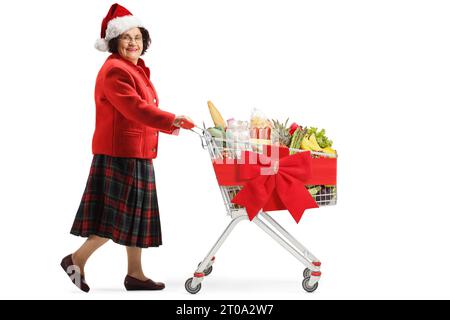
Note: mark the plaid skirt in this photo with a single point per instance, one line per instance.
(120, 202)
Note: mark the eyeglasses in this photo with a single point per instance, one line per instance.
(128, 39)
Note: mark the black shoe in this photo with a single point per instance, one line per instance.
(73, 272)
(136, 284)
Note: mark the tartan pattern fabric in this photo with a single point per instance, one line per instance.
(120, 202)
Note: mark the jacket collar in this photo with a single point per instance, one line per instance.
(140, 63)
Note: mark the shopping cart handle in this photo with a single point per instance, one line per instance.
(197, 130)
(201, 132)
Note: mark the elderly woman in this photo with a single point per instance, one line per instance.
(120, 201)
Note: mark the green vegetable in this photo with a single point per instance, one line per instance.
(297, 139)
(313, 190)
(294, 138)
(218, 133)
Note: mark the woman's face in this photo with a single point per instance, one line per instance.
(131, 45)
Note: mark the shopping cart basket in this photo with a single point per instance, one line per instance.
(227, 154)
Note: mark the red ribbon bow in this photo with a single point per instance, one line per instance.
(286, 177)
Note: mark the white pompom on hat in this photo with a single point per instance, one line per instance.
(117, 21)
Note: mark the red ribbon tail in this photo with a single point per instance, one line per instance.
(253, 197)
(293, 203)
(250, 207)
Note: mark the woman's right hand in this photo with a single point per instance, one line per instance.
(183, 122)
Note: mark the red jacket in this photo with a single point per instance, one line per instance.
(127, 115)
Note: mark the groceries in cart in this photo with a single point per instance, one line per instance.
(260, 133)
(260, 128)
(263, 165)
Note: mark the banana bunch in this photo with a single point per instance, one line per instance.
(329, 150)
(310, 143)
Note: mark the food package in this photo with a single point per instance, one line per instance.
(260, 127)
(238, 135)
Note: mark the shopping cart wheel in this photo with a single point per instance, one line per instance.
(306, 273)
(307, 287)
(189, 289)
(207, 271)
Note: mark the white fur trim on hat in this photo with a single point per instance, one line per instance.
(101, 45)
(115, 28)
(119, 25)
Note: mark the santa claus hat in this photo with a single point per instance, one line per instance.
(117, 21)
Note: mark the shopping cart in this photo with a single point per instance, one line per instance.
(219, 149)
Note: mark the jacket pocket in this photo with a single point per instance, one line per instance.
(129, 143)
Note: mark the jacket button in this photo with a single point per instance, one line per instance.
(154, 100)
(154, 150)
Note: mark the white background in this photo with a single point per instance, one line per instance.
(375, 74)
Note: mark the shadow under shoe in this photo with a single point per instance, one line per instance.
(136, 284)
(73, 271)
